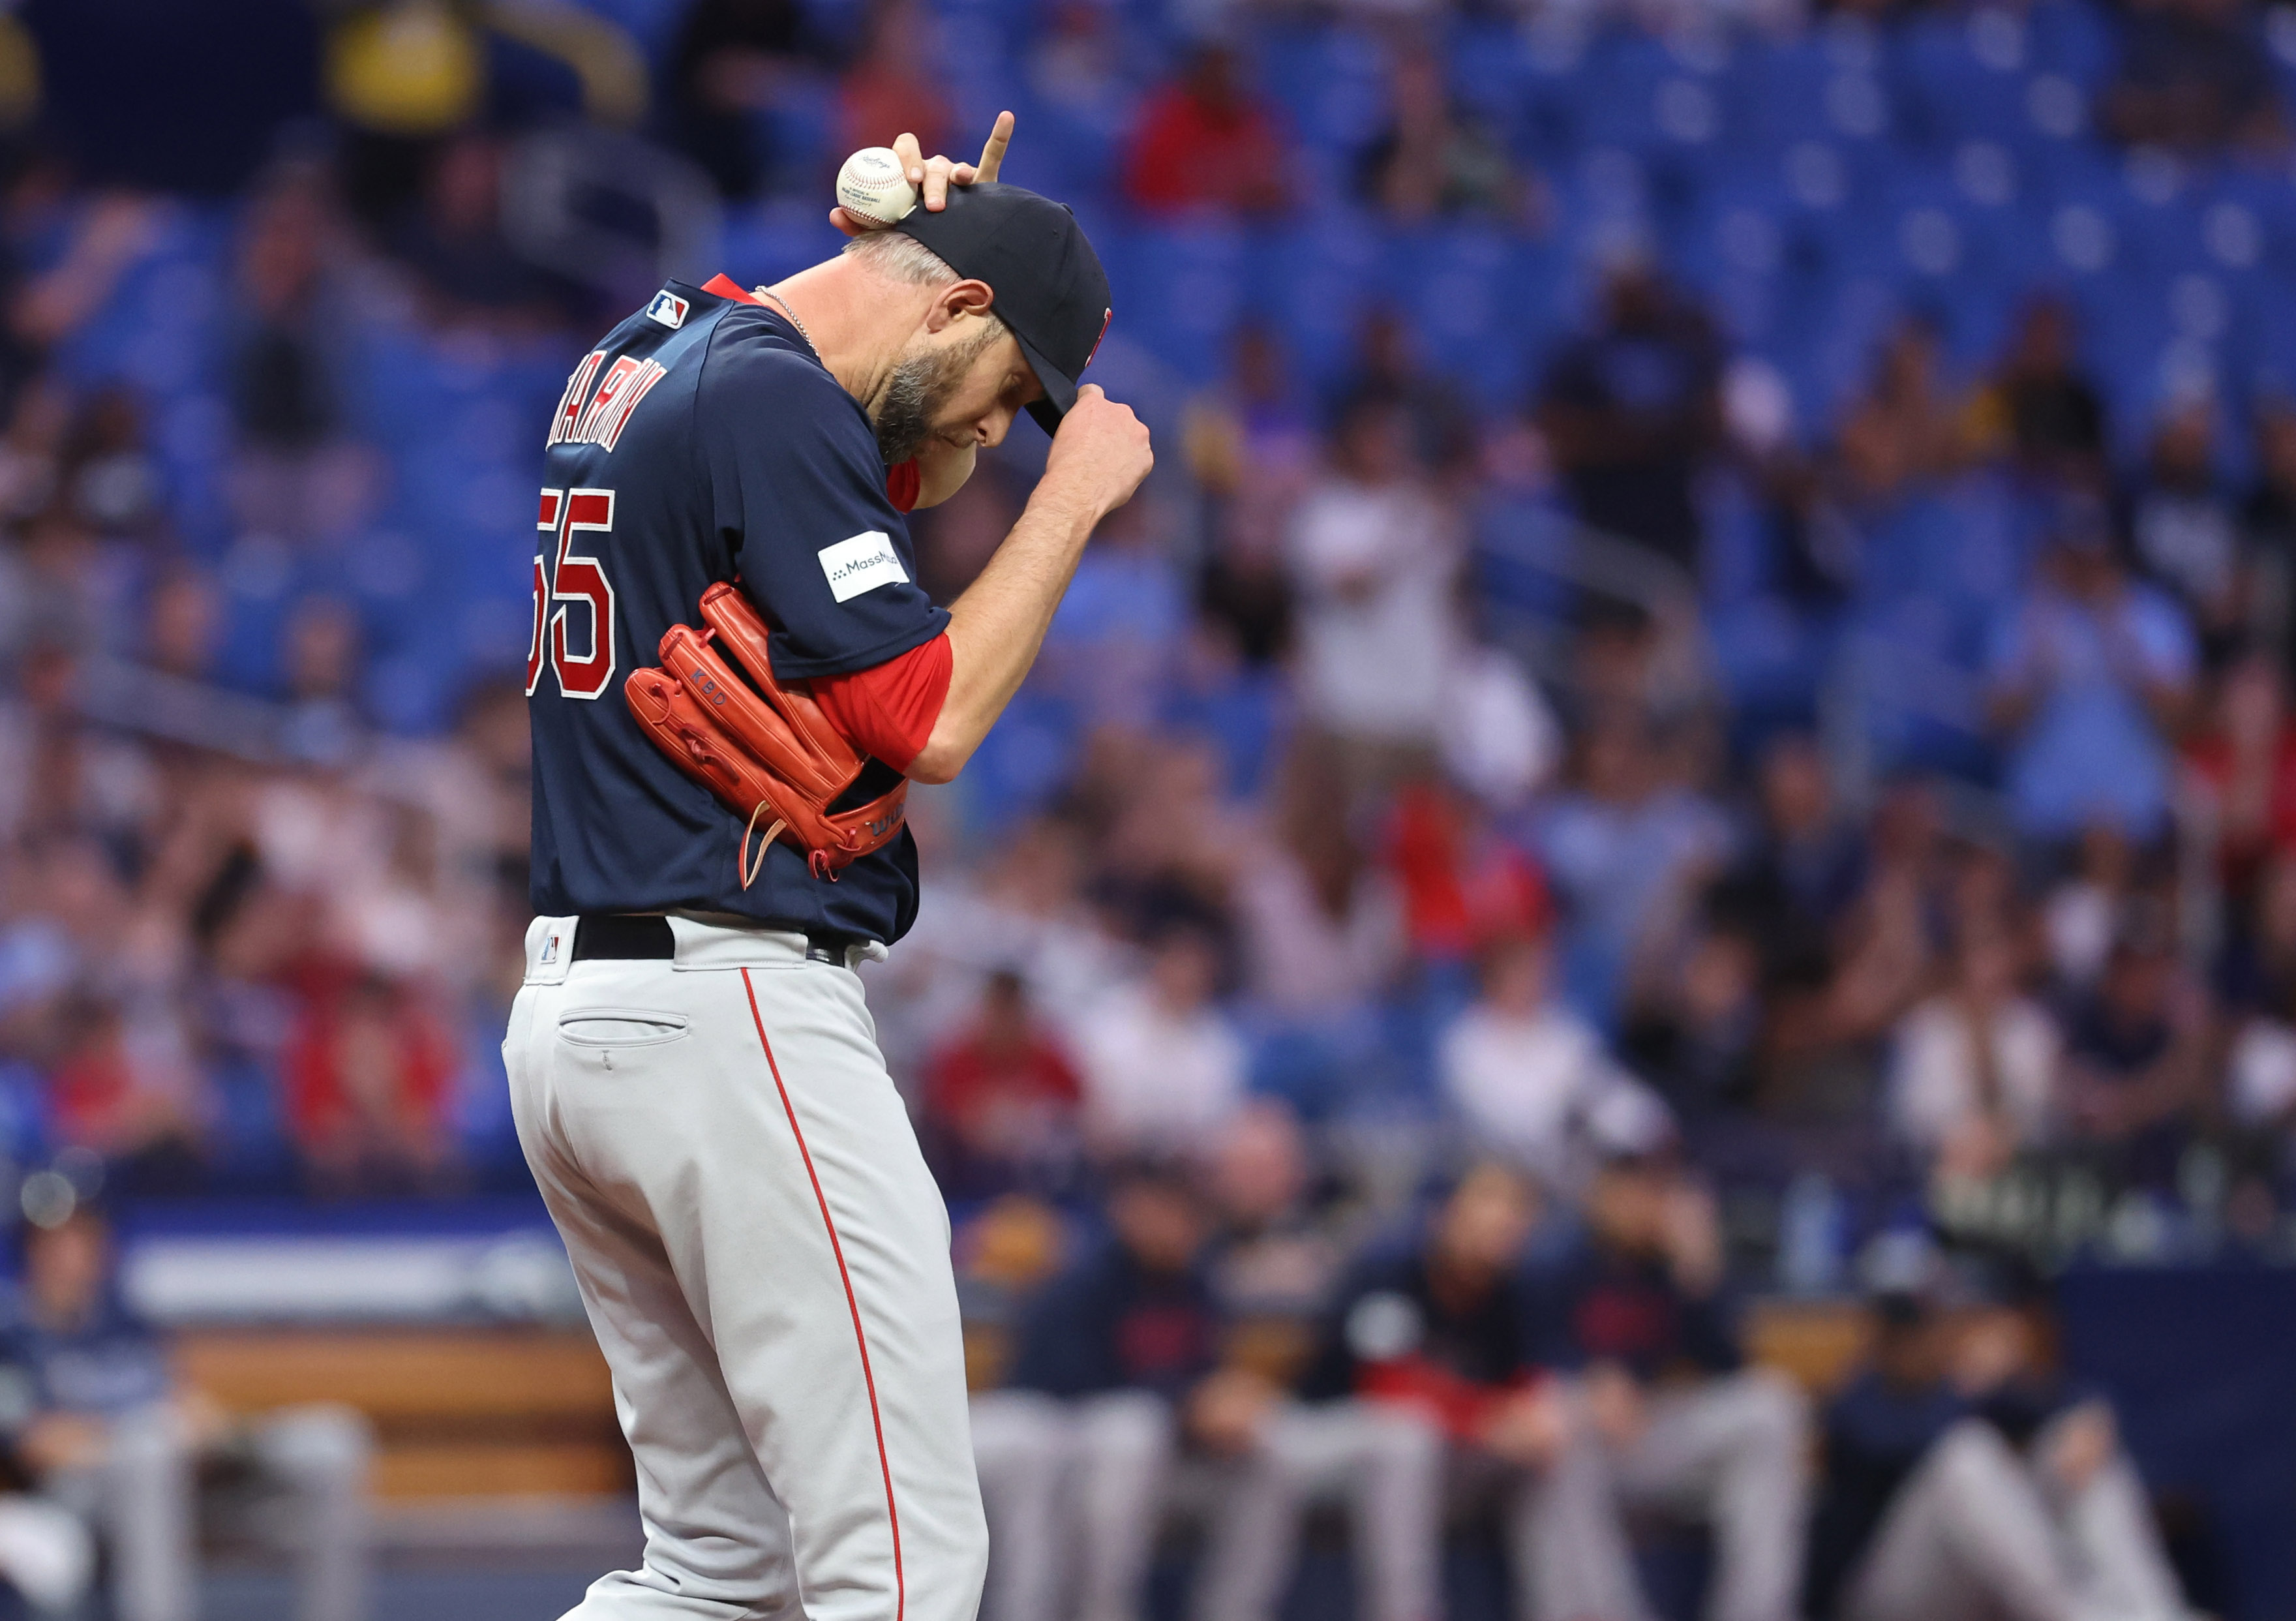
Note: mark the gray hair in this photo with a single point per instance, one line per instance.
(902, 258)
(898, 257)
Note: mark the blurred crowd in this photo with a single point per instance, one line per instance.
(1565, 798)
(1867, 807)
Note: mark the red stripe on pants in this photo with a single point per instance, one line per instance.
(853, 1303)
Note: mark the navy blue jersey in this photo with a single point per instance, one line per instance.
(703, 441)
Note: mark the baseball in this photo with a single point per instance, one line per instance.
(871, 186)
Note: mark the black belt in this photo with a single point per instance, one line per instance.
(623, 937)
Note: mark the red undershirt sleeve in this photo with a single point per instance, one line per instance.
(888, 710)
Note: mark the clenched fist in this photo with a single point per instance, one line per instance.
(1101, 453)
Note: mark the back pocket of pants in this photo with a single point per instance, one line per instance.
(619, 1026)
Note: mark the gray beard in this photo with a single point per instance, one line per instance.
(921, 385)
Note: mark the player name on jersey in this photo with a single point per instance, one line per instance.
(585, 418)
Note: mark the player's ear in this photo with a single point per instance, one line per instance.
(966, 298)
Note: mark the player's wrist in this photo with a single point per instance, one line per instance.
(1071, 502)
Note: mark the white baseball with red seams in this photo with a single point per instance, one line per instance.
(873, 187)
(764, 1257)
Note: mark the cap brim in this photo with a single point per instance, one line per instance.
(1060, 391)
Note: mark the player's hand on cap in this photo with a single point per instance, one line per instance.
(933, 176)
(1102, 452)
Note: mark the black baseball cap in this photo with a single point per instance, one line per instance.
(1050, 289)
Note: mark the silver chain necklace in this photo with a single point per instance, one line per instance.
(768, 293)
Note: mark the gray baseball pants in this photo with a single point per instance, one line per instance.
(1732, 1452)
(765, 1259)
(1978, 1532)
(1077, 1490)
(309, 1498)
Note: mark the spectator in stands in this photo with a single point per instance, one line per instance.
(1273, 1268)
(731, 61)
(321, 667)
(1631, 412)
(2258, 969)
(2191, 74)
(1803, 865)
(1498, 737)
(1116, 1381)
(1964, 1475)
(294, 476)
(1976, 1069)
(1022, 908)
(2137, 1073)
(1322, 926)
(2088, 670)
(1830, 1019)
(1443, 435)
(1372, 557)
(1694, 1024)
(181, 623)
(453, 241)
(367, 1076)
(2260, 1096)
(2244, 764)
(107, 233)
(1529, 1076)
(1206, 140)
(892, 89)
(108, 1433)
(1624, 850)
(1116, 641)
(1435, 158)
(2081, 917)
(1252, 447)
(1464, 885)
(2041, 402)
(108, 476)
(67, 584)
(1904, 428)
(1166, 834)
(2269, 528)
(1078, 64)
(1001, 1101)
(2185, 523)
(1163, 1069)
(1636, 1313)
(76, 791)
(124, 1087)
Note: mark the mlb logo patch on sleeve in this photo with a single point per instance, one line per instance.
(667, 308)
(862, 563)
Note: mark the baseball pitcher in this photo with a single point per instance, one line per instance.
(732, 676)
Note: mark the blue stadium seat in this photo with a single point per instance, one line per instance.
(1826, 86)
(1484, 304)
(2071, 37)
(1186, 282)
(1331, 83)
(1962, 76)
(1315, 281)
